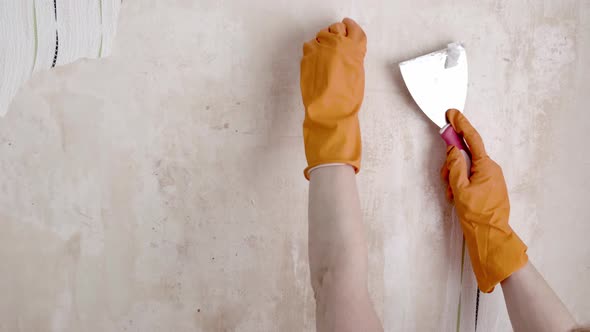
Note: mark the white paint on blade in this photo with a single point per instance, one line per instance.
(453, 54)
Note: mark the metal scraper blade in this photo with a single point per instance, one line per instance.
(438, 81)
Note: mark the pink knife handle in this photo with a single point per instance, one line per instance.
(450, 136)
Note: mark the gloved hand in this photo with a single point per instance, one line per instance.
(332, 87)
(483, 208)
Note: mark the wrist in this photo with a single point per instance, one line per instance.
(307, 172)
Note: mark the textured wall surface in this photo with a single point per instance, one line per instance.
(161, 189)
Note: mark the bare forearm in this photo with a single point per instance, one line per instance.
(338, 252)
(532, 304)
(336, 235)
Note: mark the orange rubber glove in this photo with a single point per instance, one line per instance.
(332, 87)
(481, 201)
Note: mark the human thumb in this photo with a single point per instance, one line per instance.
(457, 166)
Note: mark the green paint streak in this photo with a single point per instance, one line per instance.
(101, 30)
(36, 36)
(461, 285)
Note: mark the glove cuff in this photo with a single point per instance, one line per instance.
(339, 143)
(503, 257)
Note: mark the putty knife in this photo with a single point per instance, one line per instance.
(438, 81)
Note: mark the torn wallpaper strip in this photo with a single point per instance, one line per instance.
(40, 34)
